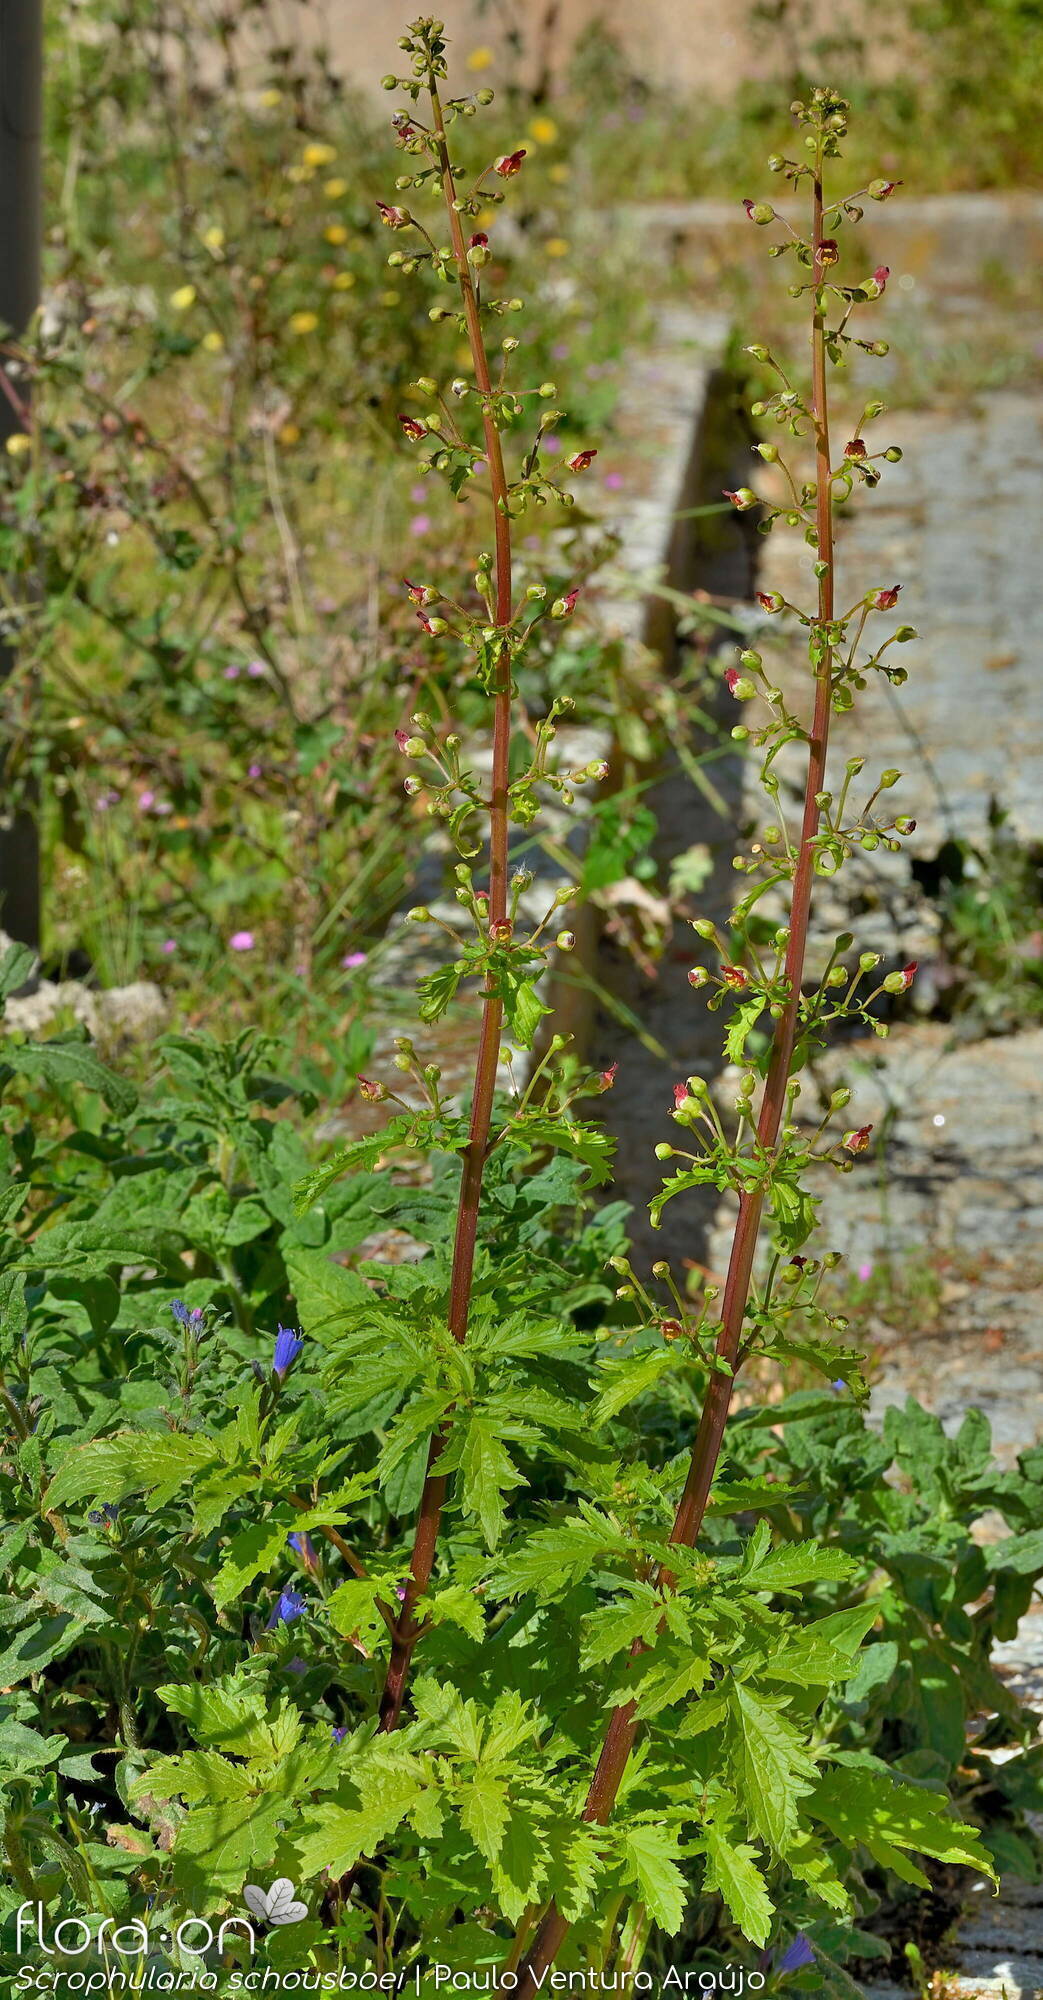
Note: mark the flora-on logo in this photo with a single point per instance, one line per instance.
(277, 1905)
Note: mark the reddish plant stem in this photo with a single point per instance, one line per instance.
(622, 1728)
(406, 1628)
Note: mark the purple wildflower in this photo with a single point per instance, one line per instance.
(303, 1546)
(241, 941)
(352, 960)
(168, 945)
(105, 1515)
(339, 1734)
(289, 1605)
(180, 1312)
(797, 1955)
(287, 1347)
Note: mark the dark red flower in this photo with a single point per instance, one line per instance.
(580, 461)
(858, 1140)
(855, 449)
(509, 163)
(885, 600)
(412, 426)
(392, 216)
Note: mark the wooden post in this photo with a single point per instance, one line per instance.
(21, 116)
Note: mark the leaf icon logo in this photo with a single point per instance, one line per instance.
(277, 1905)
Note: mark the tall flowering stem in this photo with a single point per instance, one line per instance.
(834, 669)
(496, 638)
(433, 1497)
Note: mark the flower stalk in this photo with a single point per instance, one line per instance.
(623, 1724)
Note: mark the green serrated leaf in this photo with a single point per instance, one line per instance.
(731, 1869)
(650, 1858)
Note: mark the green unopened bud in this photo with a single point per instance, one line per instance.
(484, 96)
(839, 1098)
(905, 633)
(566, 940)
(875, 409)
(703, 927)
(758, 352)
(419, 914)
(663, 1152)
(889, 778)
(893, 454)
(749, 661)
(389, 82)
(868, 961)
(769, 452)
(837, 976)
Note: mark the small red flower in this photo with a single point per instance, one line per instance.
(478, 241)
(736, 976)
(401, 738)
(732, 677)
(501, 931)
(393, 217)
(581, 460)
(608, 1076)
(374, 1093)
(858, 1140)
(412, 426)
(855, 449)
(424, 622)
(671, 1329)
(828, 250)
(743, 498)
(509, 163)
(419, 593)
(770, 600)
(570, 601)
(680, 1095)
(908, 975)
(881, 274)
(885, 600)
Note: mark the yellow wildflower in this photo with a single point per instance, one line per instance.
(336, 233)
(214, 237)
(184, 297)
(560, 172)
(557, 246)
(213, 341)
(19, 443)
(270, 98)
(544, 131)
(344, 281)
(335, 188)
(479, 59)
(318, 154)
(304, 322)
(390, 298)
(289, 434)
